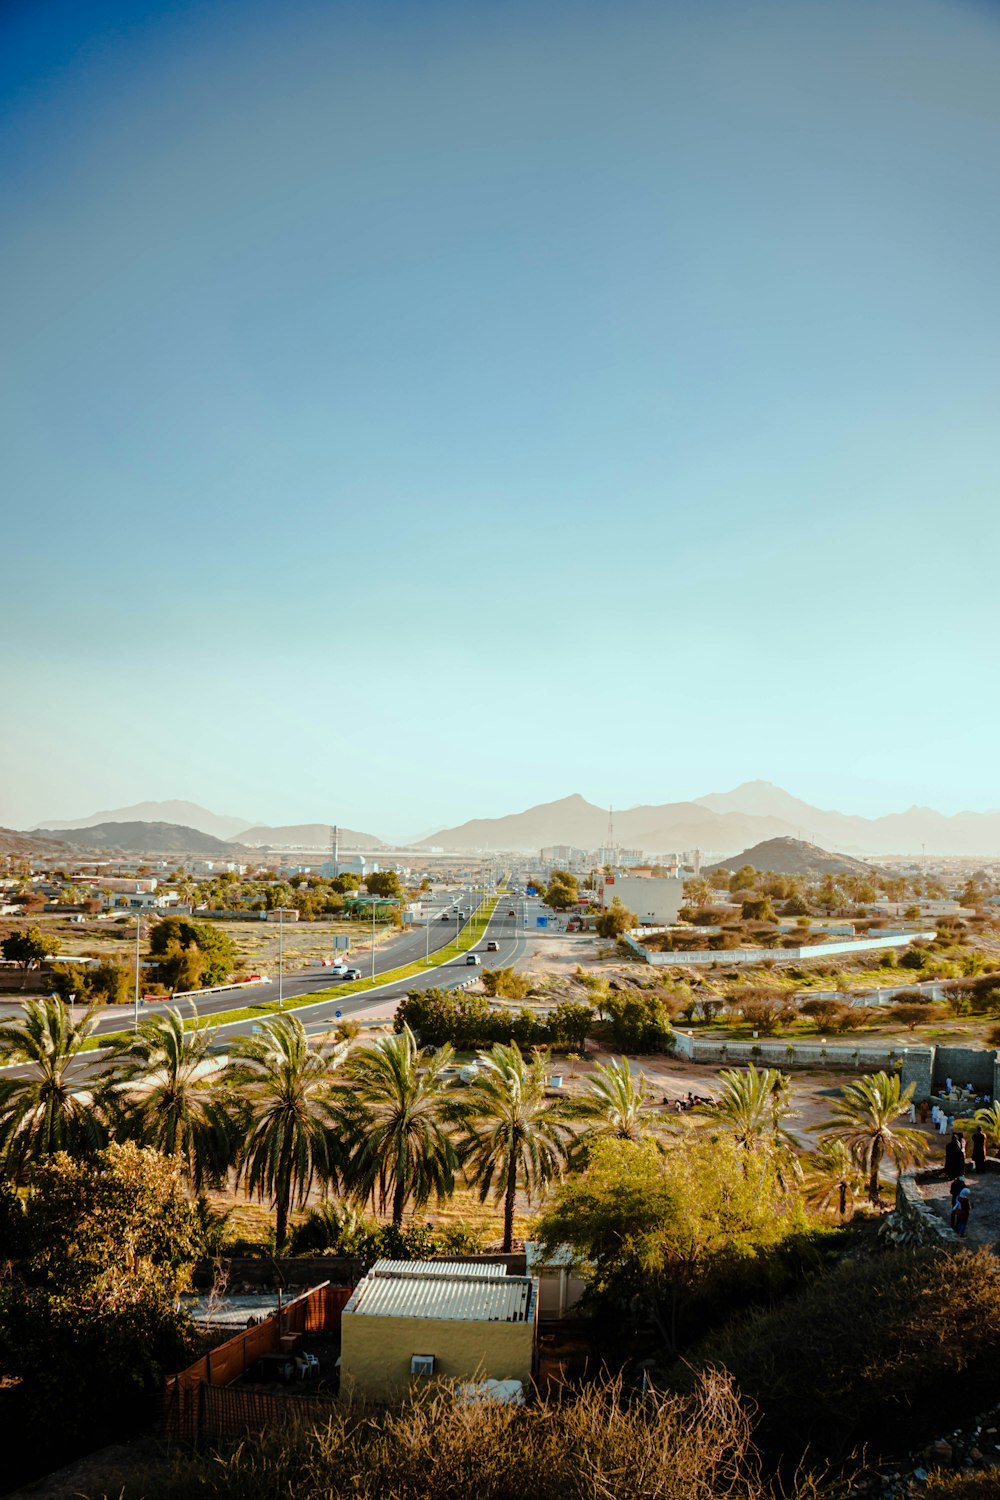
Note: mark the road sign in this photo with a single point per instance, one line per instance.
(541, 921)
(341, 940)
(532, 890)
(337, 1015)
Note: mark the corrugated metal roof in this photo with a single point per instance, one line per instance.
(471, 1299)
(437, 1268)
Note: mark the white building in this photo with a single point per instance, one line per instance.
(656, 900)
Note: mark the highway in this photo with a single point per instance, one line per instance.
(510, 933)
(406, 949)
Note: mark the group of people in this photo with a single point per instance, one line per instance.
(680, 1105)
(956, 1157)
(956, 1165)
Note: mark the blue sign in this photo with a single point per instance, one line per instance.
(337, 1015)
(532, 890)
(541, 921)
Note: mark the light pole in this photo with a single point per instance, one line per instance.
(281, 955)
(374, 899)
(138, 934)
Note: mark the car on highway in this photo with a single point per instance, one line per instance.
(492, 946)
(349, 974)
(512, 913)
(473, 958)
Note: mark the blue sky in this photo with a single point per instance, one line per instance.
(416, 411)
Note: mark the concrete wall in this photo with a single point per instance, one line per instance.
(375, 1352)
(773, 1052)
(731, 956)
(925, 1067)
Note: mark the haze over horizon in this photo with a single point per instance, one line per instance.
(414, 414)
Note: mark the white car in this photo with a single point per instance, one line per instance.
(474, 959)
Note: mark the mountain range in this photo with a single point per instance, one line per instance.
(185, 814)
(723, 822)
(718, 824)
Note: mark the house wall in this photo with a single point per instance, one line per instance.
(654, 899)
(375, 1352)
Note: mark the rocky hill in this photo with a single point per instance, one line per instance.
(140, 838)
(793, 857)
(15, 845)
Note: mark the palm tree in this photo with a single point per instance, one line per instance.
(864, 1120)
(512, 1136)
(284, 1115)
(989, 1119)
(613, 1104)
(42, 1112)
(163, 1079)
(753, 1104)
(833, 1177)
(394, 1113)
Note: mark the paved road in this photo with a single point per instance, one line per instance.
(509, 932)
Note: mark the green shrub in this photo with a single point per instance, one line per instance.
(884, 1351)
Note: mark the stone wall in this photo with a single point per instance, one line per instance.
(913, 1222)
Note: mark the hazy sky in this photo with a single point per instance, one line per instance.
(415, 411)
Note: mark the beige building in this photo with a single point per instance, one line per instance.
(656, 900)
(413, 1320)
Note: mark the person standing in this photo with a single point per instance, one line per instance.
(979, 1149)
(954, 1155)
(961, 1210)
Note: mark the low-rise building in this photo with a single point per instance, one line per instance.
(408, 1320)
(655, 900)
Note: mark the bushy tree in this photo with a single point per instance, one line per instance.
(385, 884)
(656, 1231)
(616, 920)
(25, 947)
(174, 936)
(90, 1319)
(639, 1022)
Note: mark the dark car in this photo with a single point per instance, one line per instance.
(350, 974)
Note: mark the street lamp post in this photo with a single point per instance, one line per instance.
(374, 900)
(281, 955)
(138, 933)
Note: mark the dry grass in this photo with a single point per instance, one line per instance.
(602, 1444)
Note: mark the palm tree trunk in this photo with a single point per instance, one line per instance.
(873, 1179)
(281, 1228)
(508, 1210)
(843, 1199)
(399, 1200)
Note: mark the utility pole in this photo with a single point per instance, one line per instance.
(374, 899)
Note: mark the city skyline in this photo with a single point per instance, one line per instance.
(414, 414)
